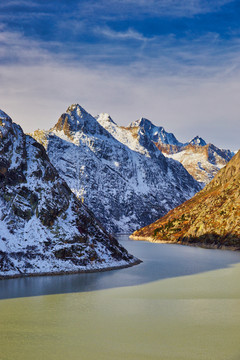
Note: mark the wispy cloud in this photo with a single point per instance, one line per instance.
(25, 3)
(204, 56)
(16, 48)
(121, 35)
(172, 8)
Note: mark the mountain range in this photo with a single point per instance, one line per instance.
(63, 191)
(44, 227)
(122, 177)
(200, 159)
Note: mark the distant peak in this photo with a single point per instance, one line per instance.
(198, 141)
(155, 133)
(105, 118)
(77, 119)
(77, 110)
(142, 122)
(74, 119)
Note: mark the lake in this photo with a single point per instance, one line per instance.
(181, 303)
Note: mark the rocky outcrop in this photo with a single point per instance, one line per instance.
(44, 228)
(211, 218)
(123, 187)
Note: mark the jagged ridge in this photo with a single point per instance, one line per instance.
(123, 187)
(200, 159)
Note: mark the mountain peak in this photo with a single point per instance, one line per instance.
(197, 140)
(77, 110)
(105, 118)
(142, 123)
(7, 127)
(157, 134)
(4, 119)
(77, 119)
(3, 115)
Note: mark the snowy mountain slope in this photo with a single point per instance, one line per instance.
(43, 226)
(126, 135)
(140, 135)
(200, 159)
(123, 188)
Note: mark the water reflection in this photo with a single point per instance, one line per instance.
(160, 261)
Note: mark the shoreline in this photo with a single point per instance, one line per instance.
(57, 273)
(197, 244)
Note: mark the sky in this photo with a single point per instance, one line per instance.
(174, 62)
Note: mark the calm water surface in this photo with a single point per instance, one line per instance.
(181, 303)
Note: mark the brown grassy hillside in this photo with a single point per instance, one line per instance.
(210, 218)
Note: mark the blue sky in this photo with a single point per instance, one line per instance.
(174, 62)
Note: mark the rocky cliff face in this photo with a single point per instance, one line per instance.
(123, 187)
(43, 226)
(201, 160)
(211, 217)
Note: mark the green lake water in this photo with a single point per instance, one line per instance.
(145, 312)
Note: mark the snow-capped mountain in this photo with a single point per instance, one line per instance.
(125, 186)
(141, 135)
(44, 228)
(201, 160)
(197, 141)
(156, 133)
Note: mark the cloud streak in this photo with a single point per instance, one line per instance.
(130, 34)
(172, 8)
(205, 56)
(15, 48)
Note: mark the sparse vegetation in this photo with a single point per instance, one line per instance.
(211, 217)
